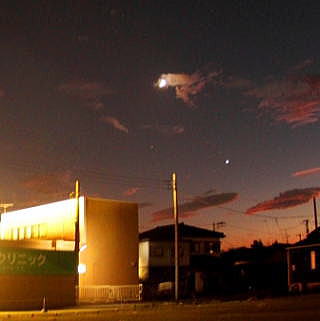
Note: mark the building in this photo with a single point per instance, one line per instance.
(303, 260)
(108, 258)
(156, 257)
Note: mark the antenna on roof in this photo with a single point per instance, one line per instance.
(5, 206)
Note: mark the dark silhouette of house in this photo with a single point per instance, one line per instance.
(304, 263)
(198, 249)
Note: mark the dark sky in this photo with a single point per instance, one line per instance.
(238, 120)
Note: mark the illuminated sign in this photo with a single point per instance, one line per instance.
(30, 261)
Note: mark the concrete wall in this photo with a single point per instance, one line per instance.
(111, 255)
(26, 292)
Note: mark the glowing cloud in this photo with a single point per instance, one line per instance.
(166, 129)
(310, 171)
(131, 191)
(89, 92)
(286, 200)
(186, 85)
(59, 182)
(115, 123)
(189, 209)
(294, 100)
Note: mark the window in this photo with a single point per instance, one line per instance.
(35, 231)
(28, 232)
(195, 247)
(43, 230)
(156, 251)
(15, 233)
(313, 260)
(21, 233)
(212, 248)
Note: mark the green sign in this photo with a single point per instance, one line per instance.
(31, 261)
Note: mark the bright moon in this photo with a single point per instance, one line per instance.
(162, 83)
(227, 161)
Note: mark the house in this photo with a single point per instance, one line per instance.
(108, 258)
(198, 247)
(258, 270)
(304, 263)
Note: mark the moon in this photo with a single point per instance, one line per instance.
(162, 83)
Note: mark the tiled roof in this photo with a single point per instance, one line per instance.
(166, 232)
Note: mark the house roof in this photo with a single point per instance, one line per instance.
(312, 238)
(166, 232)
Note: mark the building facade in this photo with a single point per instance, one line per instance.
(156, 257)
(108, 258)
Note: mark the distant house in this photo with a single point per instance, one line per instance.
(304, 263)
(257, 270)
(156, 256)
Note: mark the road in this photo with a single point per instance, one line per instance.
(298, 308)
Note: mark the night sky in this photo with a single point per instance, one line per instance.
(237, 119)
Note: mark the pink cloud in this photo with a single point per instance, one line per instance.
(58, 182)
(303, 64)
(166, 129)
(131, 191)
(236, 82)
(89, 92)
(305, 172)
(286, 200)
(115, 123)
(294, 100)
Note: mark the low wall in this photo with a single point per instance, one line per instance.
(109, 293)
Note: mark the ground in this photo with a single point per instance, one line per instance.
(295, 308)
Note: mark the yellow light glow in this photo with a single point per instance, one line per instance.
(49, 221)
(313, 260)
(82, 268)
(162, 83)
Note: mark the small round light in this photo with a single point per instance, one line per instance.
(162, 83)
(82, 268)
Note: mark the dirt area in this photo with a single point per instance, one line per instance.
(296, 308)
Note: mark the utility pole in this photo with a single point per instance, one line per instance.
(306, 222)
(176, 236)
(315, 213)
(77, 232)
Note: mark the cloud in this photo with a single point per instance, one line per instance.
(187, 85)
(89, 92)
(190, 208)
(131, 191)
(166, 129)
(294, 100)
(115, 123)
(144, 205)
(59, 182)
(236, 82)
(304, 172)
(287, 199)
(303, 64)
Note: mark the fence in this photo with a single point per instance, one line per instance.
(109, 293)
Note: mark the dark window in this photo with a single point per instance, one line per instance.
(195, 247)
(156, 251)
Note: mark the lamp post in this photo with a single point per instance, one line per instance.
(176, 236)
(77, 231)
